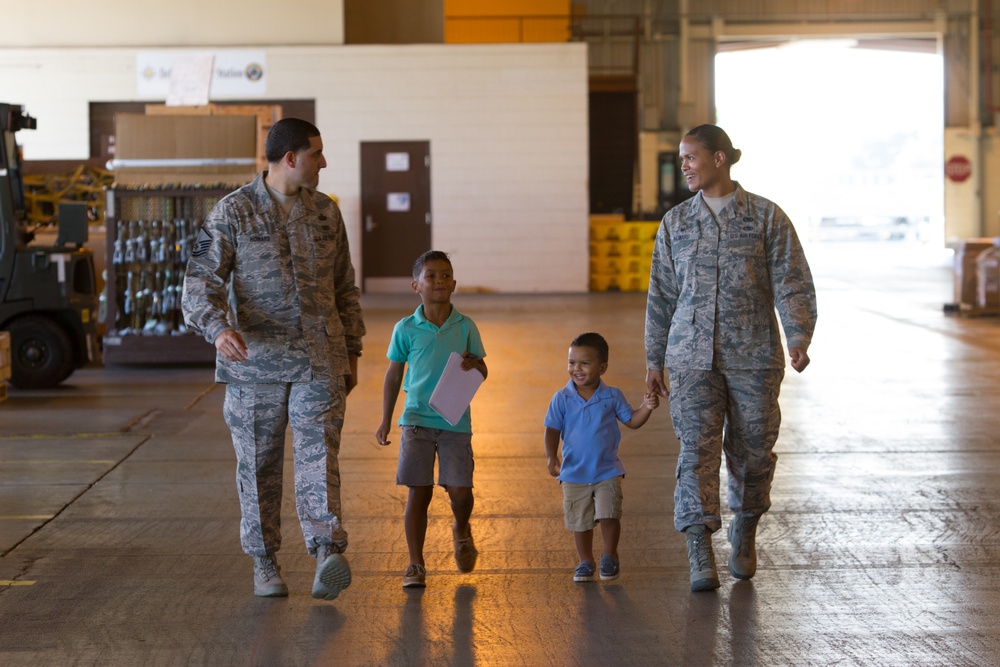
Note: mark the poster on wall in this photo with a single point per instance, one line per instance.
(190, 81)
(236, 73)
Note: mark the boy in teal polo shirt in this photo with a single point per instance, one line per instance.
(423, 342)
(585, 414)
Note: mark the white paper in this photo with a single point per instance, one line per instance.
(190, 81)
(397, 161)
(454, 391)
(398, 202)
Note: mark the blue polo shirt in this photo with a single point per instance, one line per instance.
(590, 432)
(424, 348)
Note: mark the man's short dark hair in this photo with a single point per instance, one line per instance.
(429, 256)
(594, 341)
(288, 134)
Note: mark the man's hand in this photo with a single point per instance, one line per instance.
(800, 359)
(231, 346)
(351, 381)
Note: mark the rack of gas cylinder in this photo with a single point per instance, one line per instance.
(150, 235)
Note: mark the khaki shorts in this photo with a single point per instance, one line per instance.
(586, 504)
(418, 447)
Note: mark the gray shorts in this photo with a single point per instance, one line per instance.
(417, 448)
(586, 504)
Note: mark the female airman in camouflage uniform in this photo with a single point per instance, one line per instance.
(722, 262)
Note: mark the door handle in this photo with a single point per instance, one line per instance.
(369, 223)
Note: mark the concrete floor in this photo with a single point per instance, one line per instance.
(119, 518)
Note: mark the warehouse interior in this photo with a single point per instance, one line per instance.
(540, 139)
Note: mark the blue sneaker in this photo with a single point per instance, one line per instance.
(609, 568)
(584, 571)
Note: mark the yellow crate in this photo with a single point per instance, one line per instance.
(4, 356)
(644, 231)
(637, 281)
(617, 265)
(602, 230)
(605, 249)
(617, 248)
(605, 283)
(623, 282)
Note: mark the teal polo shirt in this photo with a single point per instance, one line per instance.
(425, 348)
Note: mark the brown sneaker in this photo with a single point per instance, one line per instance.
(465, 551)
(415, 576)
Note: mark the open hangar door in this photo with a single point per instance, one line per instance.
(846, 135)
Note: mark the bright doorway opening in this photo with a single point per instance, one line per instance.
(849, 141)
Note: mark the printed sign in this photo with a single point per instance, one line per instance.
(398, 202)
(397, 161)
(958, 168)
(237, 73)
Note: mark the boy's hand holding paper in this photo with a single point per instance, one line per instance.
(458, 384)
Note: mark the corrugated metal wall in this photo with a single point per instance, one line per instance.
(671, 77)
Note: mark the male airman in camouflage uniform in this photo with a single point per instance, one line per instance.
(722, 261)
(271, 285)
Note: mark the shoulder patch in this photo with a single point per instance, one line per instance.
(202, 243)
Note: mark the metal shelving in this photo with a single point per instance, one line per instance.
(150, 233)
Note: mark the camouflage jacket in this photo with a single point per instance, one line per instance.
(714, 286)
(288, 289)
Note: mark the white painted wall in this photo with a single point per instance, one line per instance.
(507, 125)
(154, 23)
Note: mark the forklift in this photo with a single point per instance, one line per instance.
(48, 294)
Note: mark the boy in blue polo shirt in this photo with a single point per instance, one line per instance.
(423, 342)
(585, 413)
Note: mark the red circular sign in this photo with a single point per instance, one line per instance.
(958, 168)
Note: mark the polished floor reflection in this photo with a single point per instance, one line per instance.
(119, 519)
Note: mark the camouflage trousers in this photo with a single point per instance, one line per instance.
(735, 412)
(257, 416)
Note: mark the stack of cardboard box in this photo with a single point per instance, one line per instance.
(266, 115)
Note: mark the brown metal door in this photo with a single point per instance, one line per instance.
(395, 212)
